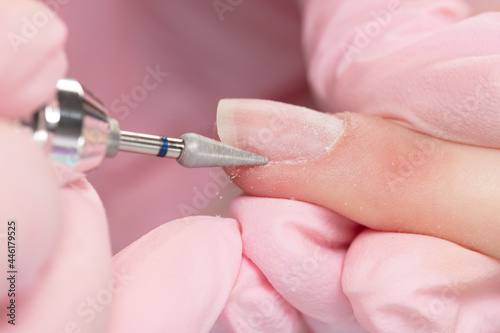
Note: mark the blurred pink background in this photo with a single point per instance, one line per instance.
(252, 51)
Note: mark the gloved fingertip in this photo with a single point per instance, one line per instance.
(195, 258)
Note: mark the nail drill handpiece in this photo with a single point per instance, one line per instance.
(76, 132)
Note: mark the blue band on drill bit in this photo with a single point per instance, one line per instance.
(164, 147)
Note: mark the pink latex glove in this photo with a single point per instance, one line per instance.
(178, 277)
(393, 281)
(207, 59)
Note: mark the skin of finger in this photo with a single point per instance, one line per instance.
(30, 198)
(32, 56)
(254, 306)
(180, 276)
(421, 284)
(74, 290)
(389, 178)
(300, 248)
(426, 64)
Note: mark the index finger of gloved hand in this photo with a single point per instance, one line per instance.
(425, 64)
(179, 276)
(421, 284)
(300, 248)
(368, 169)
(74, 289)
(32, 58)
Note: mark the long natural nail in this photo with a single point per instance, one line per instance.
(281, 132)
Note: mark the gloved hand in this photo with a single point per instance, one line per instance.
(178, 277)
(428, 66)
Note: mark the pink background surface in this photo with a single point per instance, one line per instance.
(254, 52)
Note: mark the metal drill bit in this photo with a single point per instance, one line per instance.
(190, 150)
(75, 131)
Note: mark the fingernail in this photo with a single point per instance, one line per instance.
(281, 132)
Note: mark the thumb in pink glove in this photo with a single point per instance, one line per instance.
(433, 66)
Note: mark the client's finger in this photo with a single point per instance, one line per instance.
(371, 170)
